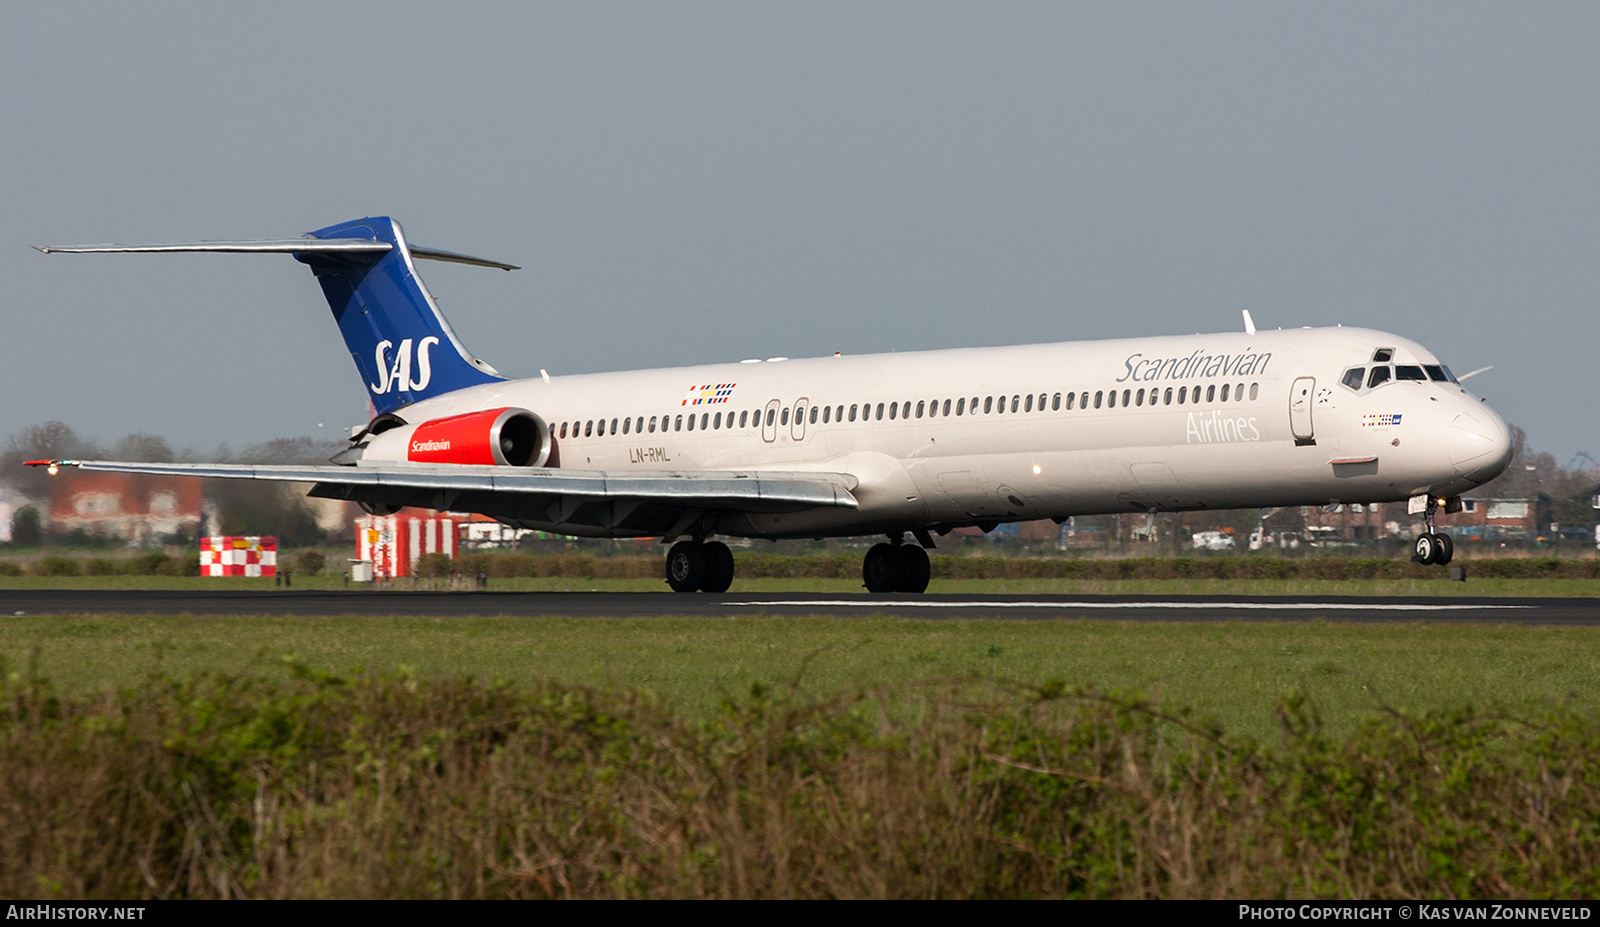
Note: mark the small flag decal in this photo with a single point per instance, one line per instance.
(708, 395)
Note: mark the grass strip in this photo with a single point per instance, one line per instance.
(1235, 671)
(317, 785)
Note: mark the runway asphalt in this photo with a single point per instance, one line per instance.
(1532, 611)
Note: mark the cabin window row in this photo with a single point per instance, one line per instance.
(936, 408)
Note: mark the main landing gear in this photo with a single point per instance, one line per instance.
(1432, 547)
(895, 567)
(707, 566)
(699, 566)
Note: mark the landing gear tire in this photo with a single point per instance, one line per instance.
(891, 568)
(914, 569)
(686, 566)
(1446, 548)
(1425, 549)
(719, 567)
(882, 569)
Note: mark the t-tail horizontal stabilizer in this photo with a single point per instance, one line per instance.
(389, 320)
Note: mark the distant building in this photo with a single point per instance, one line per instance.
(1486, 519)
(1357, 523)
(480, 532)
(136, 507)
(1067, 535)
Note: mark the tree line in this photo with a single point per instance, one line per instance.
(243, 507)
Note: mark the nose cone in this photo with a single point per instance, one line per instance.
(1480, 444)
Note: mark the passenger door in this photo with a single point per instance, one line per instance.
(1300, 410)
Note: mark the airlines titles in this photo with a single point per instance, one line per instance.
(1216, 427)
(1141, 369)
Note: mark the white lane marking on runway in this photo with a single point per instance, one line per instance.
(1260, 606)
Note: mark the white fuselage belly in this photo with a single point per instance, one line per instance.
(942, 469)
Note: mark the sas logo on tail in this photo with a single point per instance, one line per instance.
(395, 375)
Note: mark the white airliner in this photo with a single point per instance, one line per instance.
(911, 443)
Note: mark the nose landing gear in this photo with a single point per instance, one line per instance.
(1432, 547)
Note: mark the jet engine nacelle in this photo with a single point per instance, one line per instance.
(492, 437)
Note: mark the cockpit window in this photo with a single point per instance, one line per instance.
(1379, 375)
(1383, 355)
(1435, 373)
(1442, 369)
(1409, 372)
(1353, 377)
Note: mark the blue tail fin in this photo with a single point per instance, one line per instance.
(401, 343)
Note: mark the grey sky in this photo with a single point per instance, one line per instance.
(690, 182)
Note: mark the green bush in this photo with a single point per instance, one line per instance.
(310, 562)
(8, 568)
(151, 563)
(1333, 568)
(56, 566)
(101, 567)
(434, 566)
(512, 566)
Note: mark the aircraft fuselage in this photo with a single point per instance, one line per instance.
(1169, 423)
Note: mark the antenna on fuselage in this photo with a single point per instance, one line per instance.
(1249, 323)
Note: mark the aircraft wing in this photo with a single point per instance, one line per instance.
(637, 503)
